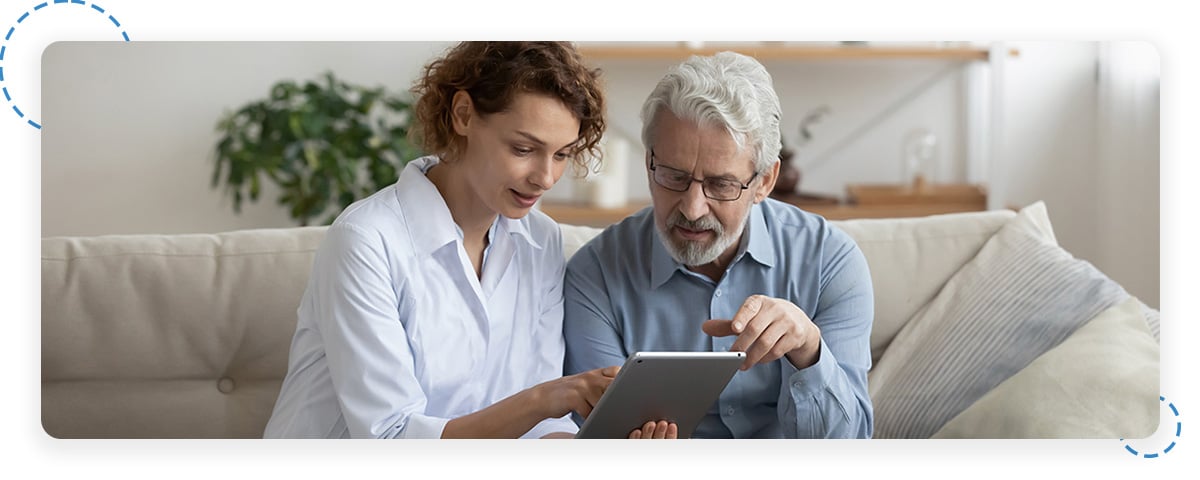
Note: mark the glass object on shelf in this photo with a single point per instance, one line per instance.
(920, 159)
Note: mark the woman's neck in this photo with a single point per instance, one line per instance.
(467, 210)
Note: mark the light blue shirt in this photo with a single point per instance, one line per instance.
(396, 334)
(624, 293)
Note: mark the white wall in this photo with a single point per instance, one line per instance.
(129, 131)
(118, 114)
(1099, 179)
(129, 128)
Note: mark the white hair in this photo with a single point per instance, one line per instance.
(727, 90)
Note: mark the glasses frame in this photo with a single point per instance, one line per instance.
(703, 185)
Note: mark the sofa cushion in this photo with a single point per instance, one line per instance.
(1020, 296)
(169, 335)
(1101, 382)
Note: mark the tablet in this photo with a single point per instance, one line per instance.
(677, 387)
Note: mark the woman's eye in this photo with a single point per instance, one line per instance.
(522, 151)
(561, 156)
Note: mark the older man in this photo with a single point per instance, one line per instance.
(715, 265)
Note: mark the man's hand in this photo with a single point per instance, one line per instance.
(578, 392)
(767, 329)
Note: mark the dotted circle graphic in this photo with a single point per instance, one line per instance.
(14, 28)
(1156, 454)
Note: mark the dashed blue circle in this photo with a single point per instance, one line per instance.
(13, 29)
(1178, 431)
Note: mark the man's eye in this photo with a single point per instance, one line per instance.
(722, 185)
(678, 177)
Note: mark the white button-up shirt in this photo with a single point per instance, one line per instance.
(397, 335)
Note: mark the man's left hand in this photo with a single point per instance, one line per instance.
(768, 328)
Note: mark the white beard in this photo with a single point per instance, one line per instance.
(693, 253)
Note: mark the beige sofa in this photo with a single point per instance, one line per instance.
(186, 336)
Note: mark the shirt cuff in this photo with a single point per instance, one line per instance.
(813, 379)
(423, 426)
(551, 425)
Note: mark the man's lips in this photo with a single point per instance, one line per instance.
(689, 234)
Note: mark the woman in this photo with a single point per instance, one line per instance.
(434, 307)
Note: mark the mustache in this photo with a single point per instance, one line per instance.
(707, 222)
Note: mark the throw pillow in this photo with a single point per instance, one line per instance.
(1101, 382)
(1020, 296)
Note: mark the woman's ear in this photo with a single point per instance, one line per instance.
(462, 110)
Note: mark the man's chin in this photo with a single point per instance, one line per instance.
(692, 254)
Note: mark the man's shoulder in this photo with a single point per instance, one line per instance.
(787, 222)
(629, 233)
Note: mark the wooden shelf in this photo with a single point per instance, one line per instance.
(576, 214)
(785, 52)
(917, 194)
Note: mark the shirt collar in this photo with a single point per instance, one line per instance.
(760, 246)
(754, 242)
(430, 223)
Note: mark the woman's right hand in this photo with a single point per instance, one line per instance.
(578, 392)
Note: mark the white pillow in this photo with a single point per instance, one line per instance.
(574, 236)
(1020, 296)
(1101, 382)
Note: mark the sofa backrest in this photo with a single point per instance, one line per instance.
(187, 336)
(173, 336)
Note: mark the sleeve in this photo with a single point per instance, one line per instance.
(355, 302)
(549, 362)
(829, 399)
(589, 322)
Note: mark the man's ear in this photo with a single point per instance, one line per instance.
(462, 112)
(768, 183)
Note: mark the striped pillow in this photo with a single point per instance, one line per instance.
(1019, 297)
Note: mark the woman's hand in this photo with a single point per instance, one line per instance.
(578, 392)
(661, 429)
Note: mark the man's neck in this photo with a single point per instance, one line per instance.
(715, 269)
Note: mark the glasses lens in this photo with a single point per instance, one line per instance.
(722, 189)
(672, 179)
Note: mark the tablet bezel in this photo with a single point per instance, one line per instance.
(674, 386)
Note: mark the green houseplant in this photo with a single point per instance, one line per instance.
(325, 144)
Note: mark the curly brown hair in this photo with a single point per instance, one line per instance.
(492, 73)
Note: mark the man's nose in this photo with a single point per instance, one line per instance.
(694, 204)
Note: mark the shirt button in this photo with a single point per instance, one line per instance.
(718, 293)
(729, 411)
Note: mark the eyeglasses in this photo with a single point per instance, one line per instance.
(716, 188)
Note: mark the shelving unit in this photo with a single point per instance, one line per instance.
(981, 65)
(770, 51)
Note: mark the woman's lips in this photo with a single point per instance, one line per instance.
(524, 200)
